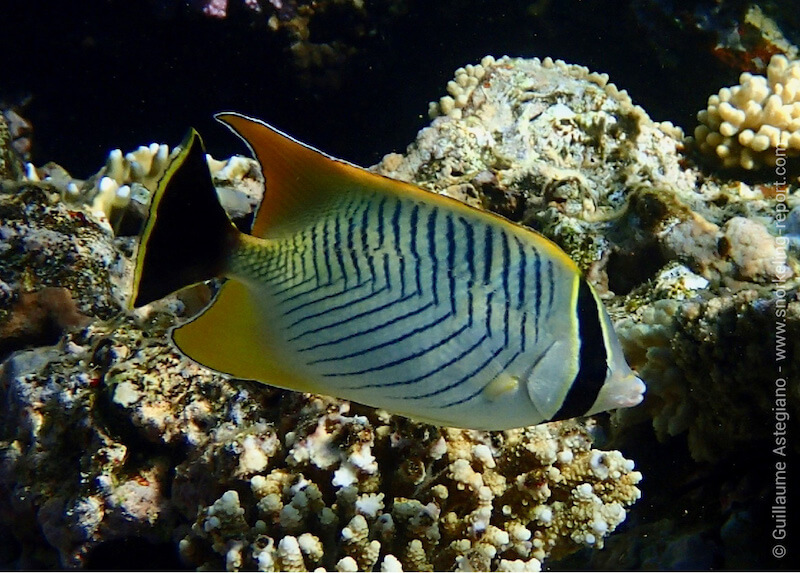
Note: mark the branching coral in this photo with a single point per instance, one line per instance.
(473, 500)
(123, 187)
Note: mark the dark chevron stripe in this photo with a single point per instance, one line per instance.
(387, 286)
(538, 302)
(381, 205)
(451, 263)
(329, 297)
(330, 309)
(354, 317)
(351, 226)
(365, 248)
(369, 330)
(432, 254)
(504, 268)
(523, 321)
(552, 288)
(398, 208)
(488, 249)
(283, 281)
(592, 362)
(326, 250)
(414, 253)
(387, 272)
(489, 313)
(470, 256)
(291, 288)
(523, 267)
(384, 344)
(461, 380)
(410, 356)
(314, 250)
(337, 250)
(506, 291)
(436, 370)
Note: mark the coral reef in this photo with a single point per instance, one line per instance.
(547, 144)
(759, 37)
(472, 499)
(742, 36)
(109, 434)
(219, 8)
(118, 194)
(701, 274)
(243, 476)
(65, 249)
(283, 481)
(19, 129)
(728, 402)
(10, 167)
(756, 123)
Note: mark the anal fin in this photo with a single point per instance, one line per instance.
(229, 337)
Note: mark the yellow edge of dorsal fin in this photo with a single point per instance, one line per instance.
(302, 181)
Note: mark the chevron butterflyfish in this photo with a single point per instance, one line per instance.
(373, 290)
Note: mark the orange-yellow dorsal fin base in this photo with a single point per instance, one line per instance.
(299, 179)
(302, 182)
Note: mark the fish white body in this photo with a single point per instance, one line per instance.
(432, 313)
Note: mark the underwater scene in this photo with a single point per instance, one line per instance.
(399, 285)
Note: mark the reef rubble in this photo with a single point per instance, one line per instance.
(107, 434)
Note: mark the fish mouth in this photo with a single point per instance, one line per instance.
(636, 389)
(621, 391)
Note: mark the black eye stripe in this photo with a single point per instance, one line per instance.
(591, 375)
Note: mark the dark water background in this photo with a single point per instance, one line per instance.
(112, 73)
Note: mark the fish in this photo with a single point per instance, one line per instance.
(369, 289)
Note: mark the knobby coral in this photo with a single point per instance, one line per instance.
(754, 124)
